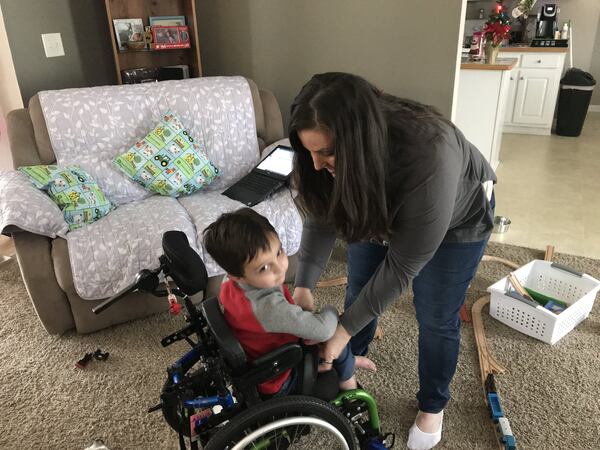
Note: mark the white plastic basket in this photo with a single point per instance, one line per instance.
(554, 280)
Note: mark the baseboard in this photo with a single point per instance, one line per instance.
(526, 130)
(594, 108)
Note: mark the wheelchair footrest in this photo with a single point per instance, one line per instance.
(380, 442)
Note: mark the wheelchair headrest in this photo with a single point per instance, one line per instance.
(231, 349)
(186, 267)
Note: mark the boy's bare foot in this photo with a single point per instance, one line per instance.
(363, 362)
(348, 384)
(378, 333)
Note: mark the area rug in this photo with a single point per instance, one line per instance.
(549, 393)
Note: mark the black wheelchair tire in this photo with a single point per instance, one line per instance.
(274, 409)
(171, 414)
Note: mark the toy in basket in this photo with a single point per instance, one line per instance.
(549, 282)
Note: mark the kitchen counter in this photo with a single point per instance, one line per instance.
(501, 64)
(528, 49)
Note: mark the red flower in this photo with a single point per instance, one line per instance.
(496, 32)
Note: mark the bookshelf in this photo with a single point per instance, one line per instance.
(132, 59)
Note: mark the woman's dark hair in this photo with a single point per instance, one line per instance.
(362, 121)
(235, 238)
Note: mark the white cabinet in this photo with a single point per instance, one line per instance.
(510, 95)
(535, 96)
(533, 91)
(480, 108)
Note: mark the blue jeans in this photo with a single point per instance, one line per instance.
(344, 364)
(439, 292)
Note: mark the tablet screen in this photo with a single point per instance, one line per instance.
(279, 161)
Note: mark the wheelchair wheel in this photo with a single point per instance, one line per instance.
(292, 422)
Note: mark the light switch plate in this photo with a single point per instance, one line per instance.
(53, 45)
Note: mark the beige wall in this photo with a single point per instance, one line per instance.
(585, 20)
(584, 15)
(407, 48)
(88, 59)
(10, 96)
(595, 66)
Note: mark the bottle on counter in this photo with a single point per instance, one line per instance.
(564, 34)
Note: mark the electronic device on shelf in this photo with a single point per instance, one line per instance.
(549, 43)
(178, 72)
(139, 75)
(547, 21)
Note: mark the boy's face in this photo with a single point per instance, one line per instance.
(268, 268)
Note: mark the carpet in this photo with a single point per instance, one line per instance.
(549, 393)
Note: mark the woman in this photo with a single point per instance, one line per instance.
(405, 188)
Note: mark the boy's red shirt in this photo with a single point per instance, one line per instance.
(249, 332)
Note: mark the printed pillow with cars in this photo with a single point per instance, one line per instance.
(74, 191)
(168, 161)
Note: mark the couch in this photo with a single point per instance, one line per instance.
(45, 263)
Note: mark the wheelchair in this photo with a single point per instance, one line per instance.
(210, 397)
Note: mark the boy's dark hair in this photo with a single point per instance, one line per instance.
(235, 238)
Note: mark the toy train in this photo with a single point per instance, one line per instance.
(503, 430)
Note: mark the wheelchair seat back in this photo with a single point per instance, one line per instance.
(231, 349)
(185, 265)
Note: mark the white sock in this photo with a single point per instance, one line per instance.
(419, 440)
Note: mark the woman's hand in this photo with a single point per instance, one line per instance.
(333, 347)
(304, 299)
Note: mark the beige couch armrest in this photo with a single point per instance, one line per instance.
(37, 269)
(40, 131)
(272, 115)
(22, 139)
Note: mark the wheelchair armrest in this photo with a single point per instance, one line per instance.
(307, 373)
(269, 365)
(285, 351)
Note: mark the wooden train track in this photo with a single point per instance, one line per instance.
(487, 363)
(340, 281)
(506, 262)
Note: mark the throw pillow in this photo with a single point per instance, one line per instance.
(168, 161)
(74, 191)
(40, 176)
(24, 207)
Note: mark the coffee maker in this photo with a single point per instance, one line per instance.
(547, 21)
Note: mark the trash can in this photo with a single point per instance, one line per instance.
(576, 89)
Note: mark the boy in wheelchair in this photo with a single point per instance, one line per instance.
(259, 308)
(211, 394)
